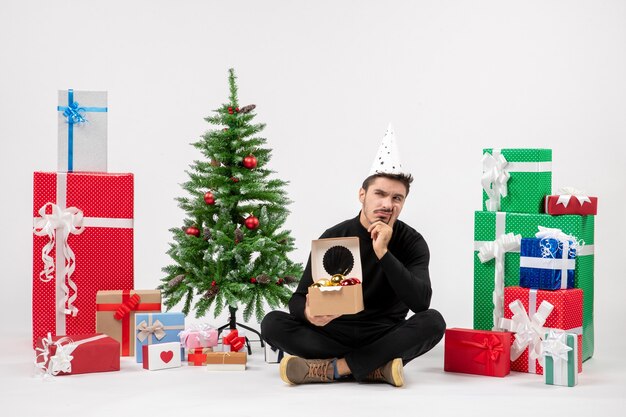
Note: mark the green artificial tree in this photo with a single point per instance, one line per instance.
(232, 250)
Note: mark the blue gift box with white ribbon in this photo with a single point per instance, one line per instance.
(156, 328)
(547, 264)
(82, 124)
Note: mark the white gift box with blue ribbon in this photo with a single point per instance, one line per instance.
(82, 124)
(548, 261)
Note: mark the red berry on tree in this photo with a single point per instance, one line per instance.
(234, 179)
(209, 198)
(253, 280)
(230, 110)
(213, 283)
(237, 109)
(250, 161)
(193, 231)
(252, 222)
(280, 281)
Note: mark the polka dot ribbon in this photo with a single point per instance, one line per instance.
(65, 222)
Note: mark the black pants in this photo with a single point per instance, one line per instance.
(364, 345)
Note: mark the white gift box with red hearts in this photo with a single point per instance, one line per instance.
(161, 356)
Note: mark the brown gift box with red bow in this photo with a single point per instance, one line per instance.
(115, 314)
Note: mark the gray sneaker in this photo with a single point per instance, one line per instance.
(391, 373)
(295, 370)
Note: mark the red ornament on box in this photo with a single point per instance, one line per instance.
(571, 204)
(96, 211)
(566, 315)
(479, 352)
(77, 354)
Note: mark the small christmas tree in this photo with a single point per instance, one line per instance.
(231, 250)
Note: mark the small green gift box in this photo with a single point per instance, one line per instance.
(516, 180)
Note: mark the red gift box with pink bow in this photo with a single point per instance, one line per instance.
(479, 352)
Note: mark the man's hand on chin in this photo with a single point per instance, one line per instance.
(381, 232)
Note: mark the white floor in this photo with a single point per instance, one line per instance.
(258, 391)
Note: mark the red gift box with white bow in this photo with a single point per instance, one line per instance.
(82, 243)
(77, 354)
(571, 201)
(530, 313)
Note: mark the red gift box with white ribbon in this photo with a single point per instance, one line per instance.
(77, 354)
(571, 201)
(82, 243)
(531, 313)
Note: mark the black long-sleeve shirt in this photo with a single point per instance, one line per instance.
(399, 281)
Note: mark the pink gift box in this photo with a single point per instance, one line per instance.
(199, 336)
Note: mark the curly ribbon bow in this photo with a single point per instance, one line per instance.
(494, 179)
(157, 329)
(67, 221)
(568, 244)
(566, 194)
(198, 335)
(529, 331)
(490, 350)
(496, 250)
(61, 361)
(74, 114)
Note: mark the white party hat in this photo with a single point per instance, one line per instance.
(387, 159)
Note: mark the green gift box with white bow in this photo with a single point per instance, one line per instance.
(560, 351)
(496, 232)
(516, 180)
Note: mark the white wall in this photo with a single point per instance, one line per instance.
(327, 77)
